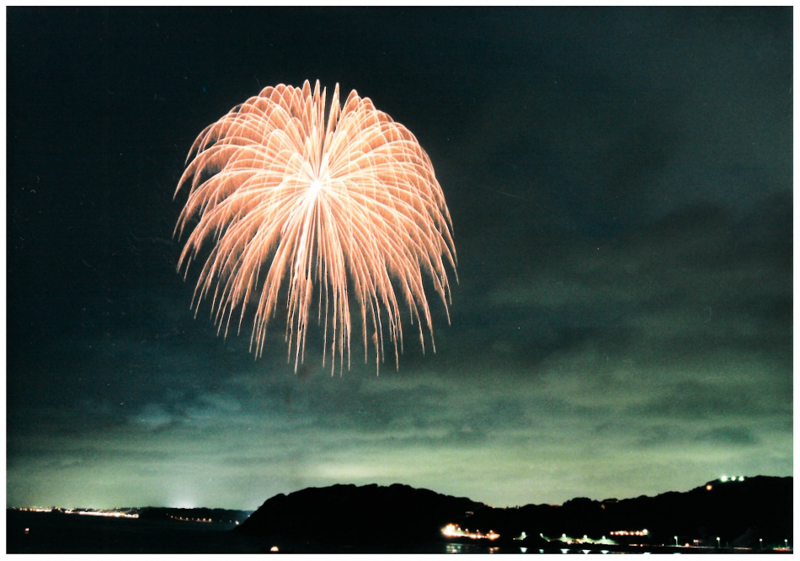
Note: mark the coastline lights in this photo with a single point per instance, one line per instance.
(454, 531)
(584, 540)
(106, 513)
(630, 533)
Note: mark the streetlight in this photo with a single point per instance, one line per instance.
(676, 541)
(718, 543)
(761, 543)
(787, 543)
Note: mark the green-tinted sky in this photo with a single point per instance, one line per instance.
(620, 184)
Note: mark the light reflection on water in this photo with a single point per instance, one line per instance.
(455, 547)
(475, 548)
(470, 548)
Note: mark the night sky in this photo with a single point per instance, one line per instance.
(620, 184)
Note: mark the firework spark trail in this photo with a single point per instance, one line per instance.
(275, 186)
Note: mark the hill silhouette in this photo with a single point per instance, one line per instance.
(738, 512)
(350, 514)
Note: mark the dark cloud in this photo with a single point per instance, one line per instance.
(724, 436)
(716, 397)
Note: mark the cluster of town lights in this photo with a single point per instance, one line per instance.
(454, 531)
(106, 513)
(630, 533)
(584, 540)
(182, 519)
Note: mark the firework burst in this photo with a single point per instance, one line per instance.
(285, 198)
